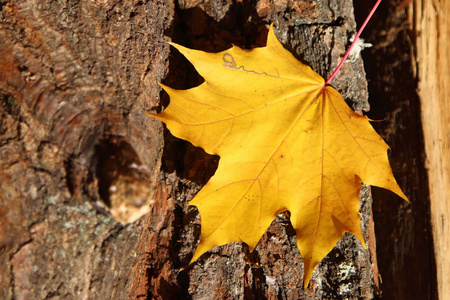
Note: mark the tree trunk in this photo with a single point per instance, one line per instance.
(78, 153)
(432, 27)
(404, 236)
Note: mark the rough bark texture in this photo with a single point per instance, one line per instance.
(76, 78)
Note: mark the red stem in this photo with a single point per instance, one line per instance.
(374, 8)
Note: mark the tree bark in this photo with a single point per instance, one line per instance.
(78, 153)
(404, 235)
(432, 27)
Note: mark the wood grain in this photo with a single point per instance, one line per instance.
(432, 26)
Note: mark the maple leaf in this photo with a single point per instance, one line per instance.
(286, 141)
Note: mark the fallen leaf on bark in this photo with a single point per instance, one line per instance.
(286, 141)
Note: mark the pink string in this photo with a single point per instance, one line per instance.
(374, 8)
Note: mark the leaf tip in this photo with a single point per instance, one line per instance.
(308, 271)
(403, 196)
(183, 50)
(271, 37)
(195, 257)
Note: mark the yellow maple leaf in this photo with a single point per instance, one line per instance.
(286, 141)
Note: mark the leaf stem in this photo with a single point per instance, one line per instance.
(374, 8)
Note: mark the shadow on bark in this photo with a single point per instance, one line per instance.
(403, 230)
